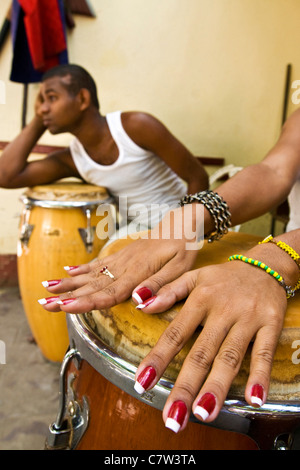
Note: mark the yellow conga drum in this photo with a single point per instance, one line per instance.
(100, 409)
(59, 227)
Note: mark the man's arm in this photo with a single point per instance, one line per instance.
(17, 172)
(150, 134)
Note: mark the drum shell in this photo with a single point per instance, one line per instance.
(55, 242)
(119, 421)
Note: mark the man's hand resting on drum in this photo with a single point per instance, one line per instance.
(236, 303)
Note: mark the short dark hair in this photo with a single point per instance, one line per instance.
(80, 78)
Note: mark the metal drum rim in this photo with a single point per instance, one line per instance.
(49, 204)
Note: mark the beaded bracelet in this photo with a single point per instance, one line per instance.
(290, 292)
(290, 251)
(217, 208)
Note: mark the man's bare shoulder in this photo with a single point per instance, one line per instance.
(143, 127)
(136, 119)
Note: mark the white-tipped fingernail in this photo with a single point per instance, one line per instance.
(172, 424)
(201, 412)
(144, 379)
(51, 283)
(176, 416)
(47, 300)
(256, 401)
(257, 394)
(70, 268)
(205, 406)
(142, 294)
(65, 301)
(145, 304)
(139, 388)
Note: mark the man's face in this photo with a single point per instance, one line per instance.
(59, 109)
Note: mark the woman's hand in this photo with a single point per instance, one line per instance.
(160, 257)
(236, 304)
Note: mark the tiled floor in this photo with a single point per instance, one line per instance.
(28, 382)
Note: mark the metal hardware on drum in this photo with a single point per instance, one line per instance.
(86, 234)
(26, 227)
(73, 417)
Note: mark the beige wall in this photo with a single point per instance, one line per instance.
(212, 70)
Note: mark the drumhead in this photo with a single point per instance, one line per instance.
(66, 194)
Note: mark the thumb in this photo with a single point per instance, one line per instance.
(166, 296)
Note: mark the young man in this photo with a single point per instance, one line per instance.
(131, 154)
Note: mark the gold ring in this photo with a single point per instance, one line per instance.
(107, 272)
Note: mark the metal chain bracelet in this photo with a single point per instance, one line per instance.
(218, 209)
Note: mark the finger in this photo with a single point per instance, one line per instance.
(167, 296)
(81, 276)
(70, 288)
(163, 276)
(112, 294)
(262, 355)
(226, 365)
(169, 344)
(173, 338)
(86, 267)
(50, 303)
(196, 367)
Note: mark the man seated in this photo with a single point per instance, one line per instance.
(132, 154)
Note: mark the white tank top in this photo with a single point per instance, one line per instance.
(137, 177)
(294, 203)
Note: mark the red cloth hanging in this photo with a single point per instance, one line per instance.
(44, 31)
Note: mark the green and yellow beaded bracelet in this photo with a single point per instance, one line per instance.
(290, 292)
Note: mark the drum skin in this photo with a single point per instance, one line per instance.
(55, 242)
(120, 421)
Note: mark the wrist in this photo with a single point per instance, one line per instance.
(37, 125)
(278, 261)
(218, 211)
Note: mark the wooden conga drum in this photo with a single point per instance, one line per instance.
(97, 381)
(58, 228)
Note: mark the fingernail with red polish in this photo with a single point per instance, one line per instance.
(145, 378)
(145, 304)
(142, 294)
(176, 416)
(65, 301)
(47, 300)
(70, 268)
(52, 283)
(257, 395)
(205, 406)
